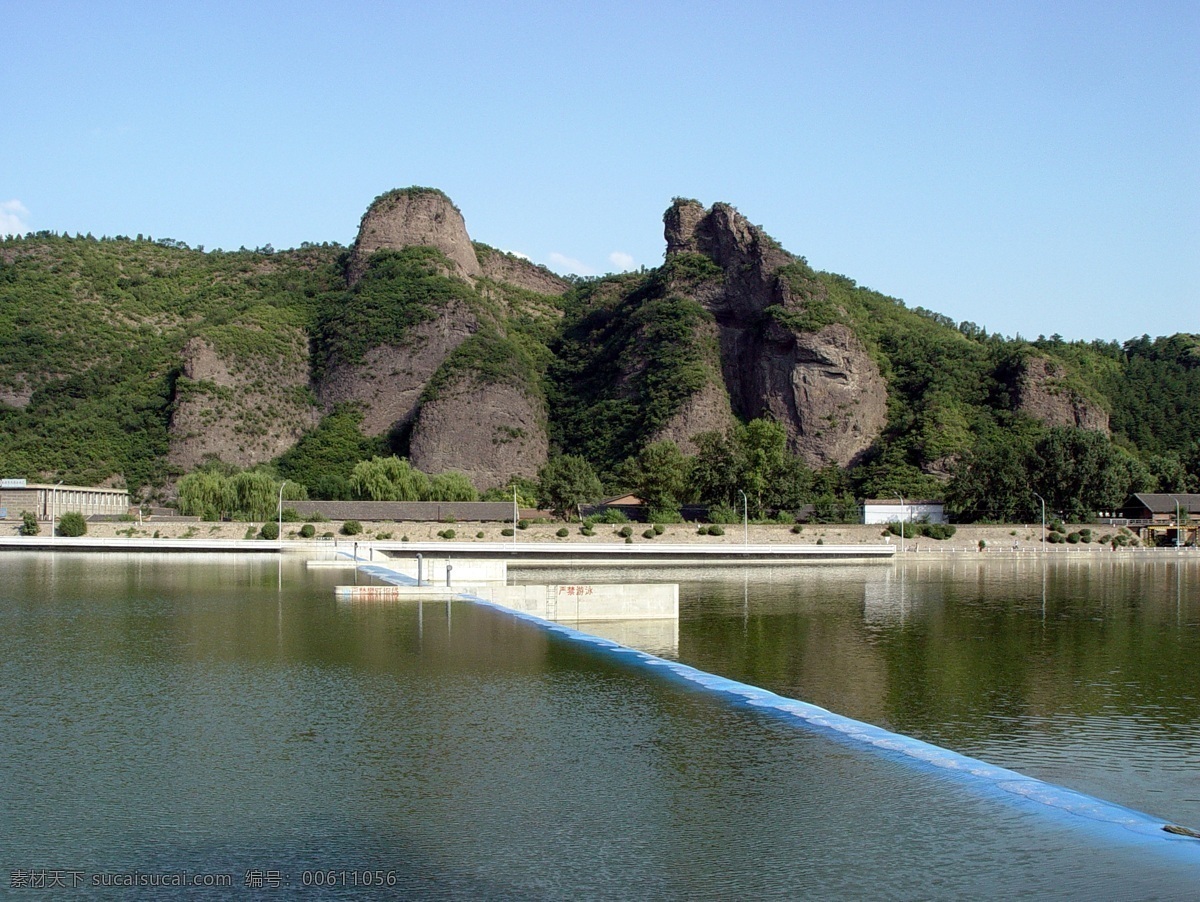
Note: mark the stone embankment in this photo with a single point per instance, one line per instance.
(1022, 539)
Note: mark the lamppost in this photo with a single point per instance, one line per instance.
(1178, 519)
(1043, 500)
(902, 526)
(54, 502)
(514, 515)
(745, 519)
(280, 511)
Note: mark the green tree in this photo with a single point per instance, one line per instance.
(206, 494)
(566, 483)
(29, 524)
(994, 481)
(452, 486)
(1082, 472)
(72, 524)
(388, 479)
(254, 495)
(323, 459)
(659, 476)
(754, 459)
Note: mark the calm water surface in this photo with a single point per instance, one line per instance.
(224, 716)
(1084, 673)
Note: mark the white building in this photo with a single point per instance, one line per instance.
(891, 511)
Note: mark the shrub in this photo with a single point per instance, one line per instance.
(307, 531)
(716, 530)
(447, 534)
(587, 531)
(269, 531)
(820, 541)
(723, 513)
(938, 531)
(563, 532)
(658, 529)
(1055, 538)
(289, 515)
(507, 531)
(649, 534)
(982, 544)
(625, 531)
(1073, 538)
(612, 515)
(797, 528)
(351, 528)
(250, 533)
(318, 517)
(383, 536)
(629, 540)
(29, 524)
(479, 535)
(326, 535)
(1056, 525)
(666, 516)
(702, 531)
(522, 524)
(72, 524)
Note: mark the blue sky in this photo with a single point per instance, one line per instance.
(1031, 167)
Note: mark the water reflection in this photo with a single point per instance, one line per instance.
(1079, 672)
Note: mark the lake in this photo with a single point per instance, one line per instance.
(226, 717)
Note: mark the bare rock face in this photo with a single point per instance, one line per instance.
(491, 432)
(17, 395)
(501, 267)
(1039, 392)
(821, 385)
(825, 390)
(387, 385)
(414, 216)
(241, 412)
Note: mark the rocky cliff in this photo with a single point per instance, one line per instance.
(779, 354)
(1040, 390)
(490, 431)
(407, 324)
(244, 412)
(386, 384)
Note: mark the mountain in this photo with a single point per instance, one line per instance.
(138, 360)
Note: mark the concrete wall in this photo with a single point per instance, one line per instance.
(582, 603)
(466, 570)
(912, 513)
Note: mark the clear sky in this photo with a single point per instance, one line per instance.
(1033, 167)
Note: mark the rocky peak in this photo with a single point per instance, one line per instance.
(1039, 391)
(807, 371)
(414, 216)
(723, 235)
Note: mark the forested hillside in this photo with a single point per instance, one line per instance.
(134, 361)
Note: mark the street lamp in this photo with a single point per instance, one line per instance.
(745, 519)
(54, 504)
(1043, 500)
(1178, 518)
(280, 510)
(902, 527)
(514, 515)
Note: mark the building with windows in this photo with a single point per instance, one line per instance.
(49, 502)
